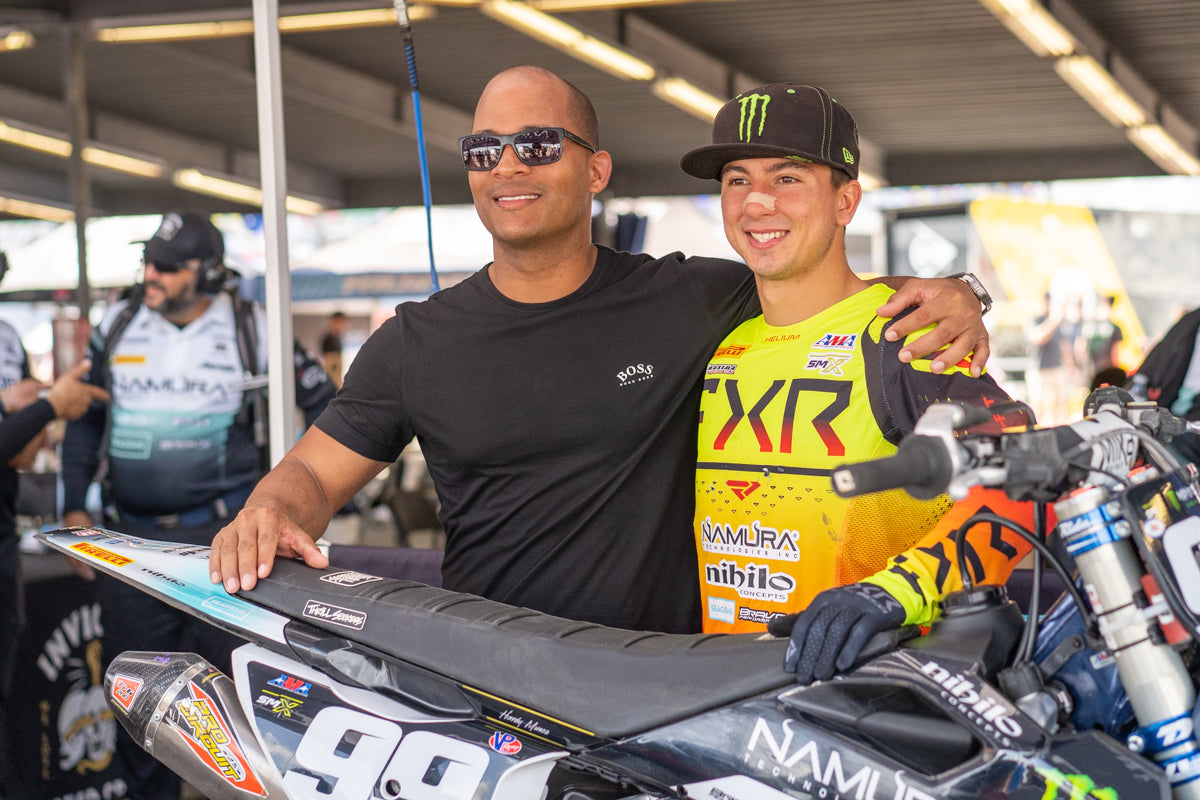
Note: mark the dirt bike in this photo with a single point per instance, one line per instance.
(355, 686)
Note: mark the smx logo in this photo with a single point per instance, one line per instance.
(827, 364)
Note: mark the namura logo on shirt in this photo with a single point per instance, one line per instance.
(754, 540)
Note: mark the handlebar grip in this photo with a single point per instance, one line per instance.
(921, 466)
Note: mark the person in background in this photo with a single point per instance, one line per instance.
(1059, 354)
(1103, 336)
(809, 385)
(182, 439)
(331, 347)
(28, 407)
(1169, 376)
(554, 392)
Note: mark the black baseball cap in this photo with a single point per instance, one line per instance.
(782, 120)
(182, 236)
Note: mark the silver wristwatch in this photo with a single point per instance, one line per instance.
(985, 299)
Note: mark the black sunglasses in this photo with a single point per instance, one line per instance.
(166, 269)
(535, 148)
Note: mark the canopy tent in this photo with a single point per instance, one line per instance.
(51, 262)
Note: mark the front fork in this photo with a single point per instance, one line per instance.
(1161, 692)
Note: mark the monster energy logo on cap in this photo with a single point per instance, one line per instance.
(807, 124)
(752, 105)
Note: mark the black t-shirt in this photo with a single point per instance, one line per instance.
(561, 436)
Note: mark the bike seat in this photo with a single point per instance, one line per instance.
(612, 682)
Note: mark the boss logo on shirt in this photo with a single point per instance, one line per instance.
(635, 373)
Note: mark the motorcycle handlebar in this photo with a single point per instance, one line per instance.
(921, 466)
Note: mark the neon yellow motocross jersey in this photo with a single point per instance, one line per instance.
(781, 408)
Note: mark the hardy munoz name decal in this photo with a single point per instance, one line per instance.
(346, 618)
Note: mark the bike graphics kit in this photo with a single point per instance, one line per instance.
(361, 687)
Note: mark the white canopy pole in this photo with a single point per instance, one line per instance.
(272, 156)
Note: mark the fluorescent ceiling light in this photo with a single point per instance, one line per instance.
(1162, 148)
(689, 97)
(58, 146)
(229, 189)
(111, 159)
(1101, 90)
(245, 27)
(23, 136)
(16, 40)
(177, 31)
(28, 208)
(591, 5)
(302, 205)
(569, 39)
(1034, 25)
(365, 18)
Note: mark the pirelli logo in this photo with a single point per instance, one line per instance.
(100, 554)
(129, 359)
(730, 351)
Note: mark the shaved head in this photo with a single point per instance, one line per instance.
(579, 108)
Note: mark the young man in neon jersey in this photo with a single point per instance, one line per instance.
(809, 385)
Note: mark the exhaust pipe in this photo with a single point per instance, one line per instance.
(185, 712)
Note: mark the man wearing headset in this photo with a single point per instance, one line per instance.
(184, 359)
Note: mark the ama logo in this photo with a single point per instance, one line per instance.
(837, 341)
(505, 743)
(293, 685)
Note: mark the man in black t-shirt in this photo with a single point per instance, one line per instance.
(554, 393)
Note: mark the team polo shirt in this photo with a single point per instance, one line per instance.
(176, 394)
(781, 408)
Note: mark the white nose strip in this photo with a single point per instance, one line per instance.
(767, 201)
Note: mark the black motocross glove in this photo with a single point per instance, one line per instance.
(828, 635)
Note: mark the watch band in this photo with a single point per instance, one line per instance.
(985, 299)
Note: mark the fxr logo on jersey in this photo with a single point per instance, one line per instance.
(742, 489)
(754, 581)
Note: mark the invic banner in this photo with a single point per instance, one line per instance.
(60, 729)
